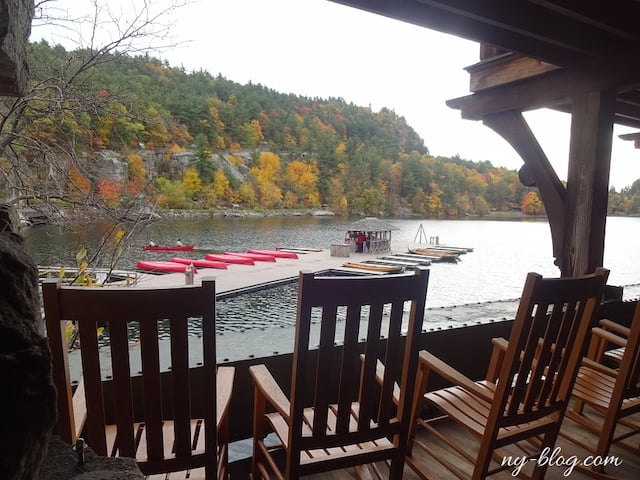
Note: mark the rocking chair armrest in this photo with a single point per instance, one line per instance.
(609, 336)
(612, 326)
(427, 360)
(500, 346)
(224, 388)
(598, 367)
(269, 388)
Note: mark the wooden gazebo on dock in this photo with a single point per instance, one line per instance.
(369, 235)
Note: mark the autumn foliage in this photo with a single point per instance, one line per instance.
(281, 150)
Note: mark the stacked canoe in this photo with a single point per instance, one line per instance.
(214, 260)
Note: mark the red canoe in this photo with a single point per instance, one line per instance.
(200, 263)
(254, 256)
(180, 248)
(275, 253)
(158, 266)
(226, 258)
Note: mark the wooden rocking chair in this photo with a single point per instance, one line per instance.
(613, 394)
(191, 434)
(346, 419)
(527, 387)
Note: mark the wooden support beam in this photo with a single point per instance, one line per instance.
(513, 127)
(554, 89)
(588, 182)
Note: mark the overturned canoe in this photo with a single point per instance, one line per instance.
(178, 248)
(274, 253)
(200, 263)
(374, 267)
(254, 256)
(226, 258)
(433, 252)
(160, 266)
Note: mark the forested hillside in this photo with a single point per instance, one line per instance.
(220, 143)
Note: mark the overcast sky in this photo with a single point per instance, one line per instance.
(317, 48)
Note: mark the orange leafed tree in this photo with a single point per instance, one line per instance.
(531, 205)
(137, 173)
(79, 185)
(109, 192)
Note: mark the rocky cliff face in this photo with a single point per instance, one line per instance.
(27, 403)
(15, 27)
(114, 166)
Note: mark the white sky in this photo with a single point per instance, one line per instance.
(317, 48)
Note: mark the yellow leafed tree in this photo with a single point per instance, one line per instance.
(191, 181)
(303, 178)
(220, 184)
(266, 174)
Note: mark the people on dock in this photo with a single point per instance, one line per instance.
(360, 242)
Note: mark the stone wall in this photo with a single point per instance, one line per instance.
(15, 27)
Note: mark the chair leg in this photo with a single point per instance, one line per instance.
(258, 435)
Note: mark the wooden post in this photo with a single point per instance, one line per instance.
(588, 181)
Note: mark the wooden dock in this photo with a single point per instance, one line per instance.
(238, 277)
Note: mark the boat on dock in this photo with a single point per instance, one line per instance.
(410, 258)
(200, 262)
(394, 262)
(373, 267)
(254, 256)
(163, 266)
(436, 255)
(275, 253)
(177, 248)
(227, 258)
(446, 248)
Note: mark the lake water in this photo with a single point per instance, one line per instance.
(503, 253)
(503, 250)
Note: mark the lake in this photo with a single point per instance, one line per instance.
(262, 323)
(504, 250)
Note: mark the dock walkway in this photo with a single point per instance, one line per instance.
(241, 277)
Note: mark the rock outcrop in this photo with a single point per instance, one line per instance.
(27, 403)
(15, 27)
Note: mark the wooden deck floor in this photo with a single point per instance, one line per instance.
(629, 468)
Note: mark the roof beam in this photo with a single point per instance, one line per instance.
(532, 29)
(553, 89)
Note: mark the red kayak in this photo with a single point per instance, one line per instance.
(223, 257)
(275, 253)
(254, 256)
(180, 248)
(200, 263)
(158, 266)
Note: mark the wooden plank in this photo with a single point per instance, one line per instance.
(507, 68)
(93, 386)
(56, 333)
(152, 394)
(181, 391)
(123, 399)
(552, 89)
